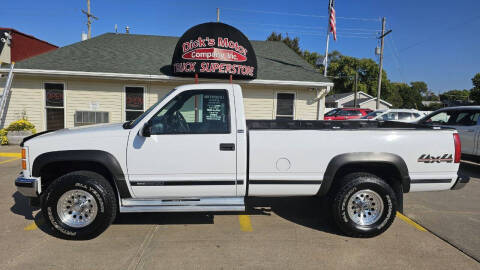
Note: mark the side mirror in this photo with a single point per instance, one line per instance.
(146, 130)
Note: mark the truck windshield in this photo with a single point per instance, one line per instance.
(372, 114)
(132, 123)
(332, 112)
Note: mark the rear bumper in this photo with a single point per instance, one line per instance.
(28, 187)
(462, 180)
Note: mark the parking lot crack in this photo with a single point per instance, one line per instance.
(136, 261)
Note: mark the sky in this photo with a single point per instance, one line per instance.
(435, 41)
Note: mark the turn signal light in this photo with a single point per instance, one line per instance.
(24, 164)
(24, 153)
(458, 147)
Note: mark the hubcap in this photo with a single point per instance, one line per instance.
(365, 207)
(77, 208)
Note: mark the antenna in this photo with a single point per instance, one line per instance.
(116, 28)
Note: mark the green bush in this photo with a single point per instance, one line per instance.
(21, 125)
(3, 136)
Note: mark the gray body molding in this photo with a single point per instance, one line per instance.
(106, 159)
(364, 158)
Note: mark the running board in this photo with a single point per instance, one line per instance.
(183, 205)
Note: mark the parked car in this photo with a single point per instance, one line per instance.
(186, 156)
(346, 113)
(466, 120)
(401, 115)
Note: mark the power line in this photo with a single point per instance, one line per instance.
(295, 14)
(347, 31)
(456, 26)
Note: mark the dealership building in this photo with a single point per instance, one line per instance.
(115, 77)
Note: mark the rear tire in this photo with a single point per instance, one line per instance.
(79, 205)
(363, 205)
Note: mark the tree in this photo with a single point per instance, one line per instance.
(421, 87)
(455, 95)
(411, 97)
(475, 92)
(293, 43)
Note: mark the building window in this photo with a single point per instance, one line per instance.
(285, 106)
(54, 106)
(133, 102)
(83, 118)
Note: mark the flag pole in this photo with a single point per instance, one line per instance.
(328, 37)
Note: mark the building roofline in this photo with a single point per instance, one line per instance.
(156, 77)
(381, 100)
(27, 35)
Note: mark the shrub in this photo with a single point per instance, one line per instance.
(21, 125)
(3, 136)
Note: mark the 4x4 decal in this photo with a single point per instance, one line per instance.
(426, 158)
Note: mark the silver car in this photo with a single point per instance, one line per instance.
(464, 119)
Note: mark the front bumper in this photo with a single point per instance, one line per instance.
(462, 180)
(28, 187)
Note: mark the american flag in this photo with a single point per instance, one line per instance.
(333, 27)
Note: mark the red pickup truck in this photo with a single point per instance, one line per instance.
(346, 113)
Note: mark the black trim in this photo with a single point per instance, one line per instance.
(103, 158)
(24, 184)
(461, 181)
(430, 181)
(284, 182)
(335, 125)
(33, 136)
(364, 158)
(239, 182)
(181, 183)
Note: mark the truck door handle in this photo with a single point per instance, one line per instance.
(227, 147)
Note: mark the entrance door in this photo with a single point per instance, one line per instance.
(55, 115)
(191, 150)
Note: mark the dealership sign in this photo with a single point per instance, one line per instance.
(214, 50)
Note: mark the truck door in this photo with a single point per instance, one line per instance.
(466, 124)
(191, 150)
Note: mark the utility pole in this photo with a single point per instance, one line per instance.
(384, 22)
(218, 14)
(356, 84)
(89, 21)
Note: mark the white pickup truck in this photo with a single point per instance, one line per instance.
(194, 151)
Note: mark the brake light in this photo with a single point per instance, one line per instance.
(458, 147)
(24, 159)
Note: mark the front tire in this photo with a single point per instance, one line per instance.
(79, 205)
(364, 205)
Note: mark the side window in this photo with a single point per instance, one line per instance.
(133, 102)
(194, 112)
(389, 116)
(285, 104)
(466, 118)
(441, 118)
(357, 113)
(404, 116)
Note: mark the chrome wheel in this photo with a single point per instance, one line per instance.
(365, 207)
(77, 208)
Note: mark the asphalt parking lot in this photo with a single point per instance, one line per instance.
(287, 233)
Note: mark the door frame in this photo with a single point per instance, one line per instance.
(44, 105)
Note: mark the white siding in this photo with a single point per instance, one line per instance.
(80, 94)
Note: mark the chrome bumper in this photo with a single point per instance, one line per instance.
(462, 180)
(27, 186)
